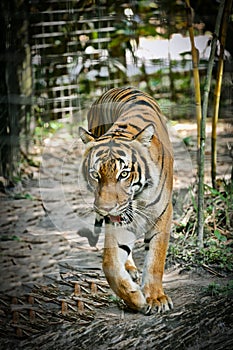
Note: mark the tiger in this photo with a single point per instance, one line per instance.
(128, 165)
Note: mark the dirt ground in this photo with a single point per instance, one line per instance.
(53, 294)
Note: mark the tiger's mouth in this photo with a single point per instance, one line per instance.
(114, 219)
(122, 219)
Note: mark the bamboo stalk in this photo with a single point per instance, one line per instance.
(195, 60)
(201, 165)
(217, 91)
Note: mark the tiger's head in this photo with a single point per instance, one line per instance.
(118, 170)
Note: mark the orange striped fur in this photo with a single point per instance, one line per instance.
(128, 164)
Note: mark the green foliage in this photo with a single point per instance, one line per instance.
(217, 252)
(116, 300)
(23, 196)
(47, 129)
(214, 254)
(215, 289)
(113, 298)
(219, 204)
(187, 140)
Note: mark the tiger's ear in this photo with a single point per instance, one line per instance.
(145, 135)
(85, 135)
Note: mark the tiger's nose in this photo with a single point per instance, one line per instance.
(103, 210)
(106, 200)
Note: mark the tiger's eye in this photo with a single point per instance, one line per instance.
(95, 175)
(124, 174)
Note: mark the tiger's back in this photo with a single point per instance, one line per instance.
(130, 108)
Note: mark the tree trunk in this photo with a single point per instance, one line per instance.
(217, 92)
(195, 58)
(201, 165)
(14, 40)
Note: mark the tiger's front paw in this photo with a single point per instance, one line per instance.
(159, 304)
(157, 301)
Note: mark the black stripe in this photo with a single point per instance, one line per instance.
(139, 116)
(121, 153)
(111, 142)
(126, 94)
(99, 153)
(139, 171)
(125, 248)
(147, 170)
(161, 214)
(143, 103)
(147, 240)
(99, 223)
(153, 105)
(115, 93)
(157, 199)
(107, 220)
(135, 127)
(162, 165)
(138, 183)
(119, 134)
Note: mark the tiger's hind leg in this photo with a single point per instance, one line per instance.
(116, 266)
(152, 286)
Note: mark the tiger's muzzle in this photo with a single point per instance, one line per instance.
(123, 216)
